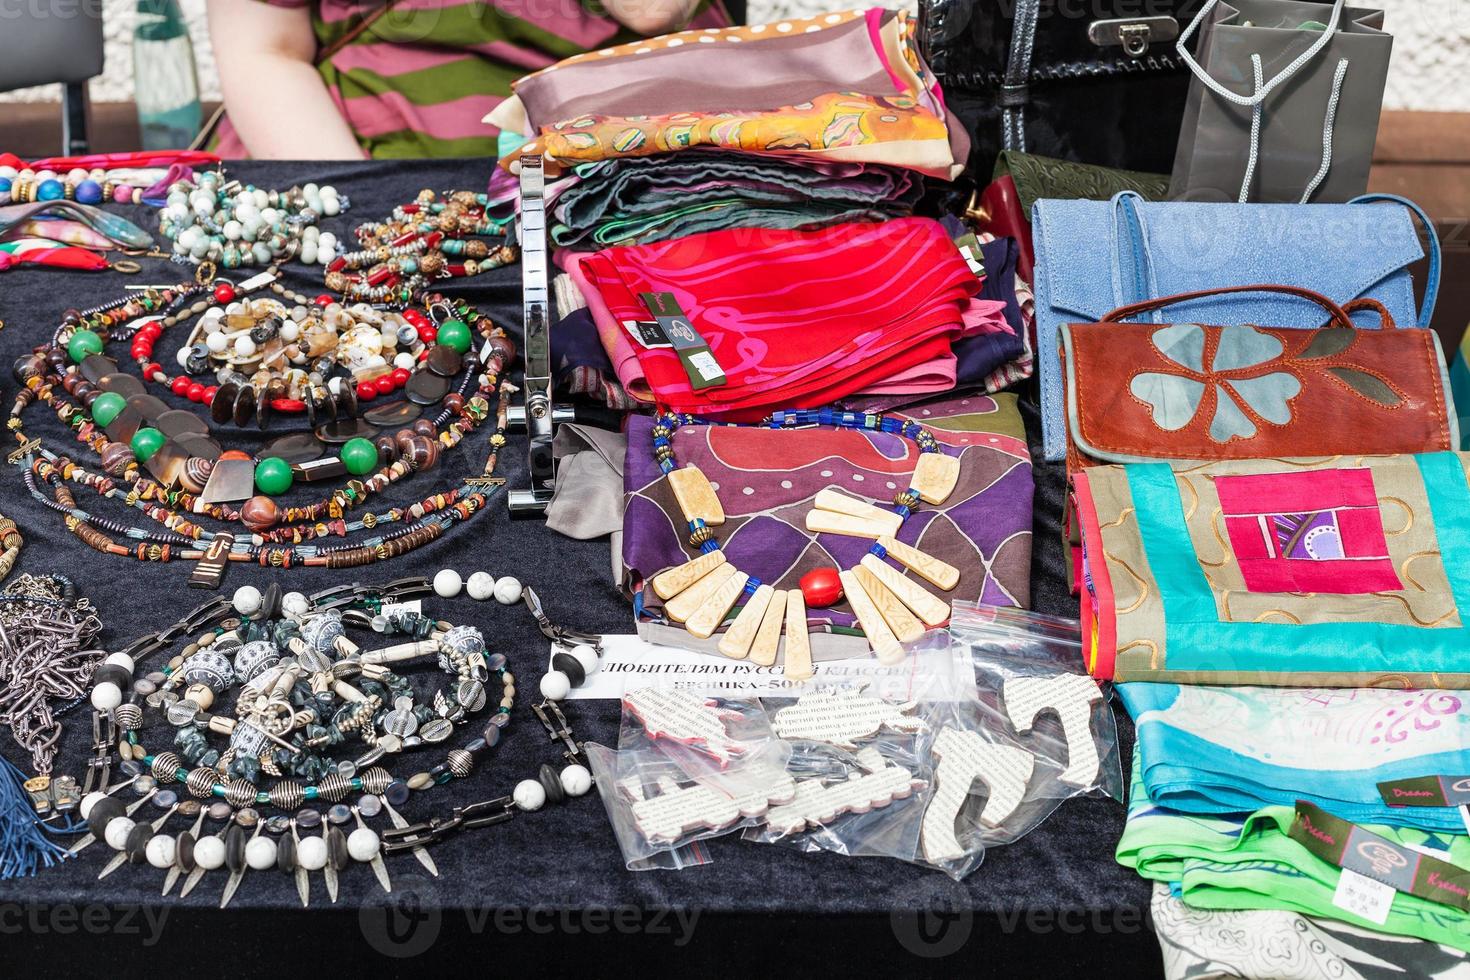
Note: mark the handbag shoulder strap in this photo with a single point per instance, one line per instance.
(1014, 92)
(1338, 315)
(1431, 281)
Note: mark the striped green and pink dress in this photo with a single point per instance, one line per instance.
(417, 82)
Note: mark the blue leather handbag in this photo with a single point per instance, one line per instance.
(1095, 256)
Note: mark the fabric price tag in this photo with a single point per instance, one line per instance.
(1363, 897)
(699, 363)
(395, 608)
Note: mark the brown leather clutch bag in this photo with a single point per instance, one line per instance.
(1184, 391)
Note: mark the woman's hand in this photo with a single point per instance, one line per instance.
(276, 100)
(650, 17)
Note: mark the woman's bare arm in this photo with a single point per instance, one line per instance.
(650, 17)
(276, 100)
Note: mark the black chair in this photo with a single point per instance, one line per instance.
(46, 42)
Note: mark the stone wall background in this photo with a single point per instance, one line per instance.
(1430, 67)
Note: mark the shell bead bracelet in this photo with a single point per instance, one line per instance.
(213, 219)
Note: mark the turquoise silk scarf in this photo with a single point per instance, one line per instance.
(1218, 750)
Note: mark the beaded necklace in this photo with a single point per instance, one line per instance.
(280, 533)
(311, 653)
(94, 186)
(418, 244)
(213, 219)
(890, 608)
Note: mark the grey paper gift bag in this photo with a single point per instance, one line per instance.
(1284, 102)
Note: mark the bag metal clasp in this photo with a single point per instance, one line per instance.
(1133, 34)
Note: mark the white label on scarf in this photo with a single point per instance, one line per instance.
(1363, 896)
(704, 362)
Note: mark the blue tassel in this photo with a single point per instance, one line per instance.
(24, 846)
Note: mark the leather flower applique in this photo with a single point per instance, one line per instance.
(1231, 383)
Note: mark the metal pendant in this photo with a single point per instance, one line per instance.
(379, 867)
(418, 850)
(91, 839)
(177, 869)
(237, 876)
(124, 856)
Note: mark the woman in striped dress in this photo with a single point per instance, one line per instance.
(415, 81)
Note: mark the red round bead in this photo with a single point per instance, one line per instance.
(180, 385)
(324, 300)
(224, 293)
(209, 394)
(400, 376)
(140, 351)
(150, 369)
(384, 384)
(821, 587)
(416, 318)
(195, 392)
(428, 334)
(366, 391)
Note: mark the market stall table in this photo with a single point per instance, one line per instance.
(1055, 898)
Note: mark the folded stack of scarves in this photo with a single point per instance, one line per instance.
(844, 86)
(798, 124)
(1217, 773)
(632, 200)
(1248, 861)
(795, 319)
(993, 353)
(1213, 750)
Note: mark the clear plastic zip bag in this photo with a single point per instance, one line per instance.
(1038, 731)
(860, 756)
(687, 768)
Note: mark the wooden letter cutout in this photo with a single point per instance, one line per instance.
(689, 719)
(963, 758)
(1071, 696)
(842, 717)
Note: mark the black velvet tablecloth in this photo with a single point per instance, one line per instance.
(547, 885)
